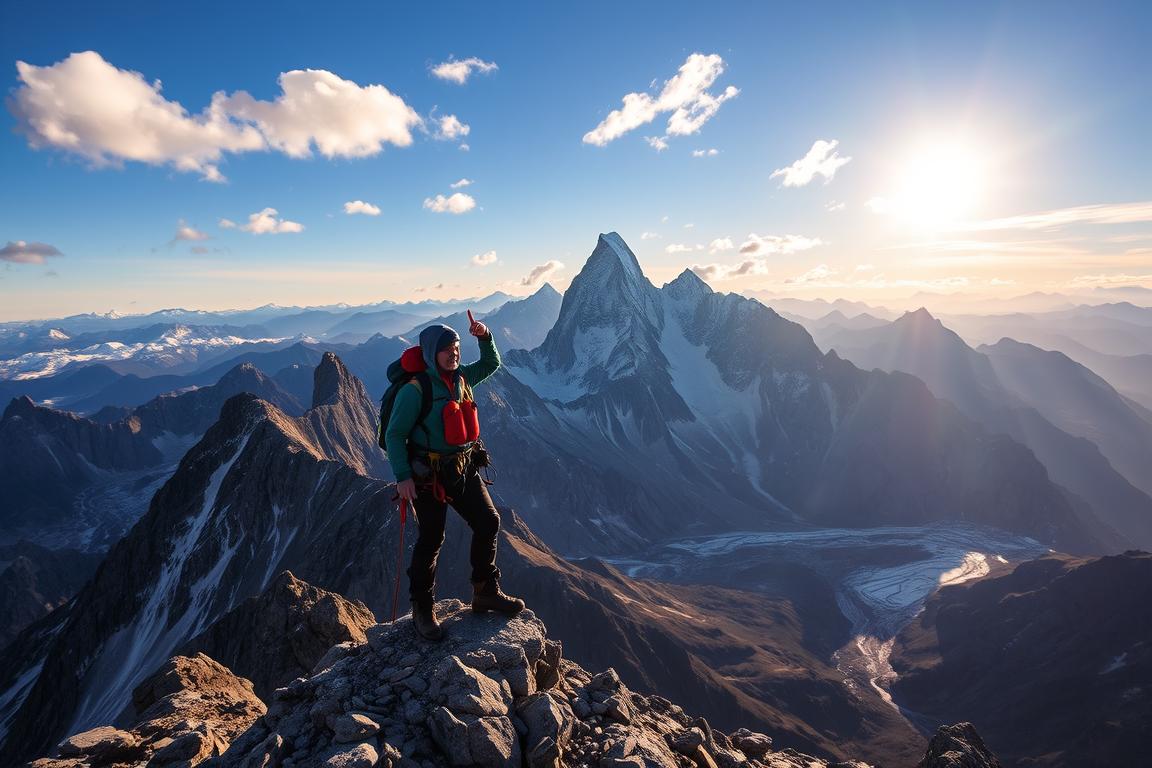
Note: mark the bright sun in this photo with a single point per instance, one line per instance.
(937, 184)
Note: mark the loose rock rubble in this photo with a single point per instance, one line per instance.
(958, 746)
(495, 692)
(191, 709)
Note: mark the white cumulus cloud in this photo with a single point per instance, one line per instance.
(88, 107)
(458, 71)
(359, 206)
(757, 245)
(484, 259)
(719, 272)
(185, 232)
(720, 244)
(24, 252)
(541, 273)
(457, 203)
(264, 223)
(685, 96)
(450, 128)
(461, 183)
(821, 160)
(682, 248)
(705, 152)
(657, 143)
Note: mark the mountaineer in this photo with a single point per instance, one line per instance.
(430, 430)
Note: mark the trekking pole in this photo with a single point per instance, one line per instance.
(399, 556)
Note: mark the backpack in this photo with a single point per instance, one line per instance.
(410, 367)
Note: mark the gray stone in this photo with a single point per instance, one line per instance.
(416, 685)
(546, 754)
(607, 681)
(465, 690)
(97, 742)
(493, 742)
(363, 755)
(752, 744)
(325, 708)
(336, 653)
(415, 712)
(353, 727)
(191, 746)
(619, 708)
(622, 762)
(451, 735)
(546, 718)
(686, 741)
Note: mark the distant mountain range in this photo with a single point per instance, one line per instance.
(1089, 437)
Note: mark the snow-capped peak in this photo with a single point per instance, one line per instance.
(616, 246)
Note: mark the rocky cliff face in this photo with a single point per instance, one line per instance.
(281, 634)
(343, 419)
(34, 581)
(190, 710)
(260, 492)
(496, 692)
(73, 481)
(1051, 662)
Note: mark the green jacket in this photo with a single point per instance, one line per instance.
(402, 424)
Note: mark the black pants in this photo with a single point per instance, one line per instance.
(471, 501)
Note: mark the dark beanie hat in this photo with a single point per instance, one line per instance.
(433, 339)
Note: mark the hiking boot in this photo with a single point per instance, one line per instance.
(487, 596)
(424, 619)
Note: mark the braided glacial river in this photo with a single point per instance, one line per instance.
(881, 576)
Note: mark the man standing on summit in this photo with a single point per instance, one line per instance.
(432, 441)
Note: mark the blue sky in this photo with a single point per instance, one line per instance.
(954, 120)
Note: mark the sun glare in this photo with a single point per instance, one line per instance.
(937, 184)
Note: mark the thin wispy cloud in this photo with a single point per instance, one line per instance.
(657, 143)
(1108, 281)
(264, 222)
(685, 96)
(821, 160)
(818, 274)
(459, 70)
(682, 248)
(25, 252)
(541, 273)
(456, 203)
(649, 236)
(1118, 213)
(360, 207)
(462, 183)
(705, 152)
(757, 245)
(132, 120)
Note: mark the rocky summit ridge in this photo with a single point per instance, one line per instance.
(496, 692)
